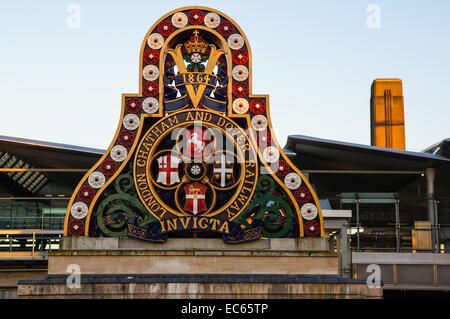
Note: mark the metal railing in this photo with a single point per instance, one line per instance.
(387, 223)
(28, 242)
(393, 239)
(30, 226)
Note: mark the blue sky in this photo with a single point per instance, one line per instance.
(316, 60)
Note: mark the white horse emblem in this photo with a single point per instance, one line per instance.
(199, 145)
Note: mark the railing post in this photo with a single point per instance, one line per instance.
(10, 214)
(430, 174)
(397, 223)
(50, 215)
(42, 215)
(34, 237)
(357, 225)
(438, 249)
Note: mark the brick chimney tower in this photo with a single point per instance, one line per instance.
(387, 116)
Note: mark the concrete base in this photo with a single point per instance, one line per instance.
(8, 293)
(196, 268)
(194, 262)
(10, 277)
(194, 256)
(199, 287)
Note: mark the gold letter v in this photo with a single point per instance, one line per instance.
(213, 58)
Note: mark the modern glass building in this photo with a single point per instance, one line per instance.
(400, 204)
(392, 193)
(36, 182)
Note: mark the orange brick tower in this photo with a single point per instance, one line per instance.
(387, 117)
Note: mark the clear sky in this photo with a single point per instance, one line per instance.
(316, 60)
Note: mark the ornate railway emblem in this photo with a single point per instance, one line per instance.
(197, 147)
(195, 150)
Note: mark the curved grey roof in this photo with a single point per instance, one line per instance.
(25, 141)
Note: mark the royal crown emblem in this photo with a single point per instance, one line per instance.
(196, 44)
(195, 151)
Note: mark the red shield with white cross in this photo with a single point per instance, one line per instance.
(195, 198)
(168, 169)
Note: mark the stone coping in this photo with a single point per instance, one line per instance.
(240, 253)
(190, 278)
(306, 244)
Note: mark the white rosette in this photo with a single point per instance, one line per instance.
(131, 122)
(259, 123)
(79, 210)
(155, 41)
(240, 106)
(240, 73)
(309, 211)
(236, 41)
(119, 153)
(179, 20)
(212, 20)
(293, 181)
(271, 154)
(150, 105)
(150, 73)
(96, 180)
